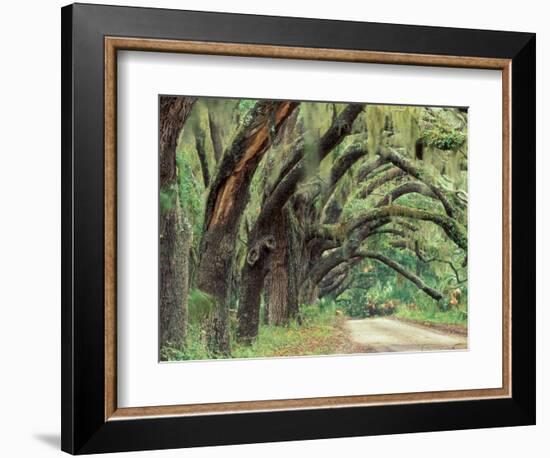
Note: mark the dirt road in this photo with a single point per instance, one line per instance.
(385, 335)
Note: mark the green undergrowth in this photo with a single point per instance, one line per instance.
(433, 315)
(319, 333)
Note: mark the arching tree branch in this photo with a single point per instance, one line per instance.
(390, 175)
(452, 228)
(419, 173)
(406, 188)
(401, 270)
(332, 137)
(425, 260)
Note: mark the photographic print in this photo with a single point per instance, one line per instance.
(302, 228)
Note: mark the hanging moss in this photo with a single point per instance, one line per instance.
(376, 120)
(406, 127)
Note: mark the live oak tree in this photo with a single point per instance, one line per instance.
(272, 230)
(225, 204)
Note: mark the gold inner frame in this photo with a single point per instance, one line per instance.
(114, 44)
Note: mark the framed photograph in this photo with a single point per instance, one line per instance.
(282, 228)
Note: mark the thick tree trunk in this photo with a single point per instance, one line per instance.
(277, 281)
(174, 232)
(295, 241)
(253, 274)
(252, 282)
(174, 268)
(226, 202)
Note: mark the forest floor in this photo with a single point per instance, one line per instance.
(322, 335)
(390, 335)
(330, 333)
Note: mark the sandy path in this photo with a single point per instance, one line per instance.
(383, 334)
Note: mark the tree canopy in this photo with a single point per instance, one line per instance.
(291, 203)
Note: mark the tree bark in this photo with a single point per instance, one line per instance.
(390, 175)
(419, 173)
(276, 288)
(253, 274)
(227, 199)
(252, 283)
(201, 152)
(174, 271)
(454, 230)
(174, 232)
(215, 135)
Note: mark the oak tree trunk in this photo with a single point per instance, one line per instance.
(277, 280)
(257, 267)
(174, 232)
(174, 248)
(226, 202)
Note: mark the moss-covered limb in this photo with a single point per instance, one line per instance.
(454, 230)
(401, 270)
(380, 164)
(333, 202)
(332, 260)
(291, 129)
(420, 173)
(388, 230)
(339, 278)
(406, 225)
(392, 174)
(292, 155)
(335, 134)
(174, 111)
(404, 189)
(340, 128)
(334, 275)
(351, 156)
(329, 284)
(338, 287)
(226, 202)
(342, 251)
(239, 161)
(284, 189)
(335, 231)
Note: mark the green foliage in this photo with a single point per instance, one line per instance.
(200, 306)
(191, 193)
(446, 140)
(245, 105)
(433, 315)
(167, 199)
(354, 303)
(442, 130)
(319, 333)
(195, 348)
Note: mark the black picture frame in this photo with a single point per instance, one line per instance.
(84, 428)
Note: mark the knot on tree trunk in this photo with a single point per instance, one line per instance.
(264, 244)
